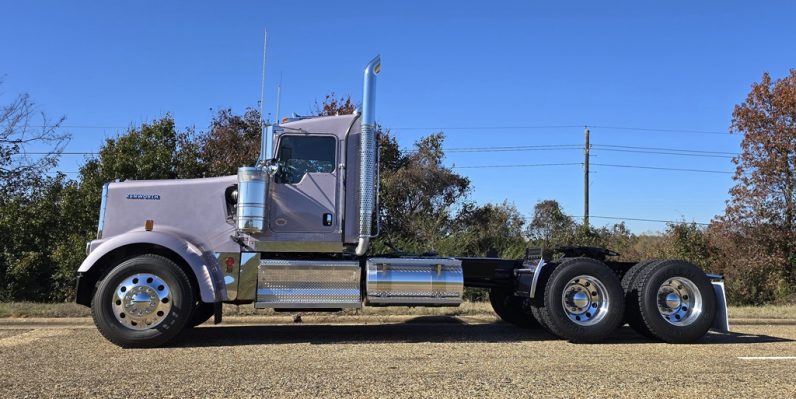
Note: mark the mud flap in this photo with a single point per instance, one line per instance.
(217, 308)
(721, 321)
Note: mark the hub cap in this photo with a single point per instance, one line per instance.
(679, 301)
(141, 301)
(585, 300)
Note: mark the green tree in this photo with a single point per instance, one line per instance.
(418, 194)
(688, 241)
(489, 229)
(550, 226)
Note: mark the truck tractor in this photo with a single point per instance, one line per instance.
(292, 233)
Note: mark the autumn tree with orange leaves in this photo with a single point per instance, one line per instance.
(756, 237)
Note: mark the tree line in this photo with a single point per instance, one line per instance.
(47, 218)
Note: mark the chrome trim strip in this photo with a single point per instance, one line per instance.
(342, 182)
(103, 205)
(247, 280)
(230, 273)
(291, 305)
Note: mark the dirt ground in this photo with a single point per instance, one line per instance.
(408, 356)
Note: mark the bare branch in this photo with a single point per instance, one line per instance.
(19, 137)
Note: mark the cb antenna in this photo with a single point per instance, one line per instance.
(262, 84)
(278, 98)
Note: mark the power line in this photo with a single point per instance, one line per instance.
(642, 220)
(58, 153)
(79, 127)
(487, 127)
(661, 168)
(666, 153)
(532, 127)
(665, 149)
(596, 164)
(515, 148)
(620, 148)
(517, 165)
(647, 129)
(551, 147)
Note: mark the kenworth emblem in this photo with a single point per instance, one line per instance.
(154, 197)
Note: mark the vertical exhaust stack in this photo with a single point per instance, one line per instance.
(367, 160)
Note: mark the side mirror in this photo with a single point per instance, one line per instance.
(272, 167)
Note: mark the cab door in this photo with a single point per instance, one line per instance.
(304, 190)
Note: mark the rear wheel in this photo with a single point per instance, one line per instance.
(536, 311)
(143, 302)
(676, 302)
(511, 308)
(583, 301)
(632, 314)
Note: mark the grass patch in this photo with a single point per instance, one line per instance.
(33, 309)
(763, 312)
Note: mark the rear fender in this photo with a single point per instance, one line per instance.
(206, 270)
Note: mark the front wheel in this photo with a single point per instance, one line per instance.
(143, 302)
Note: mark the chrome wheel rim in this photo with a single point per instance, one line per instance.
(585, 300)
(679, 301)
(142, 301)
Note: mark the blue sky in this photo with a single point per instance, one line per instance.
(482, 72)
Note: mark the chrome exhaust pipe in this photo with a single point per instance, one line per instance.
(367, 160)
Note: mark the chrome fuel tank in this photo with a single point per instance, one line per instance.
(414, 281)
(252, 184)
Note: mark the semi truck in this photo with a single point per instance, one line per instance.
(292, 233)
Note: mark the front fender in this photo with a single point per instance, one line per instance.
(209, 276)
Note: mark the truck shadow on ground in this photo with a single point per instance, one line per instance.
(434, 329)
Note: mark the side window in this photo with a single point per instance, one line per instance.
(299, 155)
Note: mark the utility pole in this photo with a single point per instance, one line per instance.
(586, 148)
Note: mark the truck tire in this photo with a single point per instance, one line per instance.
(511, 308)
(632, 315)
(676, 302)
(536, 311)
(143, 302)
(202, 312)
(583, 301)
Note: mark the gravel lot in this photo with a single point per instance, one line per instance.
(427, 356)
